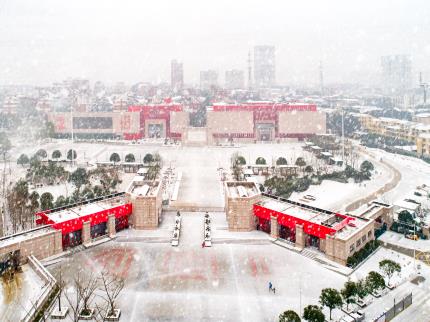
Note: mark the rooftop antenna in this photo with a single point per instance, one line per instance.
(424, 86)
(249, 70)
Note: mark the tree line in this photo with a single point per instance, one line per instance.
(352, 292)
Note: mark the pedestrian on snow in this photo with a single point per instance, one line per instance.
(274, 290)
(203, 244)
(270, 286)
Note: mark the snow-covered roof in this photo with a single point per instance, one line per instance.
(406, 205)
(84, 210)
(422, 115)
(422, 127)
(424, 135)
(241, 189)
(336, 159)
(248, 172)
(142, 171)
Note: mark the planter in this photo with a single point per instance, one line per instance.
(88, 316)
(113, 317)
(57, 314)
(361, 303)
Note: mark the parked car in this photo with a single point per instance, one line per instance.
(412, 236)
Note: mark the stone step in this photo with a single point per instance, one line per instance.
(142, 239)
(247, 241)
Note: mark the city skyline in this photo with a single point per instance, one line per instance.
(133, 42)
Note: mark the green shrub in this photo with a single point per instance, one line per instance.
(363, 253)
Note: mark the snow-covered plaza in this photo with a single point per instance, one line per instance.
(229, 281)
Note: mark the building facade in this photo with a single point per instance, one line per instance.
(139, 121)
(396, 73)
(234, 79)
(208, 79)
(264, 66)
(416, 133)
(248, 122)
(423, 144)
(337, 235)
(263, 121)
(176, 75)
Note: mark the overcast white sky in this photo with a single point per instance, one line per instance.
(134, 40)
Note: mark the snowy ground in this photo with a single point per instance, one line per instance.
(420, 308)
(415, 172)
(335, 195)
(399, 239)
(17, 297)
(228, 282)
(201, 182)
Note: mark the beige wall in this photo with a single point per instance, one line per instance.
(340, 249)
(302, 122)
(240, 211)
(230, 122)
(178, 121)
(123, 122)
(40, 245)
(195, 136)
(146, 210)
(126, 122)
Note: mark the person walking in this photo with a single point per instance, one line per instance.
(270, 286)
(274, 290)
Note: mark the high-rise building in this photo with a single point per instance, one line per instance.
(234, 79)
(264, 66)
(396, 73)
(208, 79)
(176, 75)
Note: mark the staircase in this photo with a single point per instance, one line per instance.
(310, 253)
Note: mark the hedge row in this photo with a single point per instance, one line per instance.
(363, 253)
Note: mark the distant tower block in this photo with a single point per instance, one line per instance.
(240, 198)
(249, 71)
(321, 79)
(146, 199)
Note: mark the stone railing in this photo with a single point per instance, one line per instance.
(49, 287)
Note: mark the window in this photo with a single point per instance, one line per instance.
(351, 248)
(92, 122)
(358, 243)
(369, 234)
(363, 239)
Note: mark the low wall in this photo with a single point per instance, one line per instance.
(192, 208)
(40, 242)
(50, 281)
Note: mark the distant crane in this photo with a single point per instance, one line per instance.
(424, 86)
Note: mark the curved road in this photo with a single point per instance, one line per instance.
(397, 176)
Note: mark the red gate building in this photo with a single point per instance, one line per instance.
(72, 219)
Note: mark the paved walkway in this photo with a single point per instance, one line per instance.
(191, 229)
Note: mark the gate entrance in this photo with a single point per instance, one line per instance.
(265, 131)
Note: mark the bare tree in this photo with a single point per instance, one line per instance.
(112, 286)
(87, 292)
(74, 298)
(61, 286)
